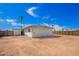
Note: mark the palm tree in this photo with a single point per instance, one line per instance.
(21, 18)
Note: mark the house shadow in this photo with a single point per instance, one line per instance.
(50, 37)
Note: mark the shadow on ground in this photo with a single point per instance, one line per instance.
(1, 36)
(48, 37)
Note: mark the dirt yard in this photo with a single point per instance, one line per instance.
(24, 46)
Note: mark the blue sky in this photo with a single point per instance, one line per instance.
(66, 15)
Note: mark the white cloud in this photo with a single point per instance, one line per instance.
(10, 20)
(30, 11)
(52, 19)
(46, 17)
(57, 27)
(14, 23)
(17, 24)
(46, 24)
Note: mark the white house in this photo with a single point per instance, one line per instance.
(38, 31)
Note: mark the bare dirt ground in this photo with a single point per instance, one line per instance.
(46, 46)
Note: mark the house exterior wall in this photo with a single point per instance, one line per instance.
(41, 32)
(29, 34)
(38, 32)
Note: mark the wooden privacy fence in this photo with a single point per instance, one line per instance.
(75, 33)
(6, 33)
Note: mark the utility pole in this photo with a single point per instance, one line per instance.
(21, 18)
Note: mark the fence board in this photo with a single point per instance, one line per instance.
(75, 33)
